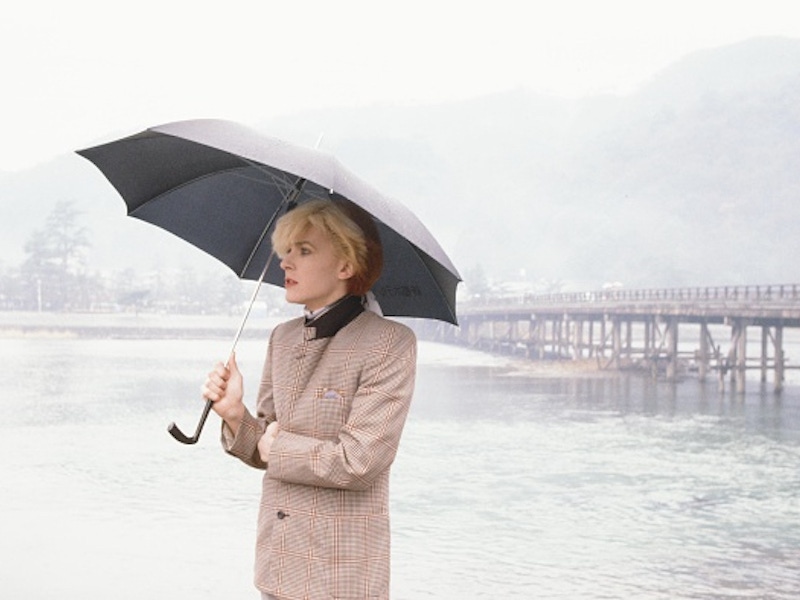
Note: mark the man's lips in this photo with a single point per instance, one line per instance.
(289, 282)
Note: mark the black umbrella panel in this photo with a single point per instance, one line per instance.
(217, 185)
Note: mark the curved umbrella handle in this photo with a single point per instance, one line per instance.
(290, 202)
(175, 431)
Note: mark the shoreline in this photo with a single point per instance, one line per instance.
(33, 325)
(129, 325)
(586, 367)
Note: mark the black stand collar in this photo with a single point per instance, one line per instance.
(331, 321)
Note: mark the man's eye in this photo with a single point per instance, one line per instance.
(304, 251)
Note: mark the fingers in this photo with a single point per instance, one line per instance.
(216, 383)
(265, 442)
(211, 392)
(263, 450)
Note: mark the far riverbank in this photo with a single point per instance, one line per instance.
(130, 325)
(143, 326)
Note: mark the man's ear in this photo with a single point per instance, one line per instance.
(346, 271)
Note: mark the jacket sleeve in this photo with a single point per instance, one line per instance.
(368, 441)
(244, 445)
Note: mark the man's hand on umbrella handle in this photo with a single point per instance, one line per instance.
(265, 443)
(225, 388)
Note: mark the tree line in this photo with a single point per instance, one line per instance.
(55, 277)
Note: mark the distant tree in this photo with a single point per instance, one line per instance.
(552, 286)
(53, 272)
(189, 292)
(132, 291)
(476, 282)
(227, 293)
(11, 293)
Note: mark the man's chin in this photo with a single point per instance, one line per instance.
(291, 299)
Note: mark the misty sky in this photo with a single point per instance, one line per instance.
(78, 73)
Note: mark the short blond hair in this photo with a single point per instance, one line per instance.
(351, 230)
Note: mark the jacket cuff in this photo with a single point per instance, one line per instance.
(244, 444)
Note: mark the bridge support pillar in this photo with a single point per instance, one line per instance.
(702, 359)
(738, 354)
(628, 340)
(672, 348)
(579, 339)
(616, 336)
(778, 342)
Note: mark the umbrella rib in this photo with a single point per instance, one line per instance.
(281, 183)
(424, 257)
(184, 184)
(288, 191)
(289, 201)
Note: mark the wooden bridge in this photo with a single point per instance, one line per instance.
(667, 331)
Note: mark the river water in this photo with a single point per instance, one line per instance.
(506, 485)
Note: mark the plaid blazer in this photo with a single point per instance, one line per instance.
(341, 401)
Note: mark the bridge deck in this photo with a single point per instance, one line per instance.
(765, 305)
(624, 327)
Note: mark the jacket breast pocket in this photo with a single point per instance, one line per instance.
(331, 410)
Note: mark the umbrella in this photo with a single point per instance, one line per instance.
(220, 186)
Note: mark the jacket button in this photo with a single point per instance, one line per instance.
(281, 514)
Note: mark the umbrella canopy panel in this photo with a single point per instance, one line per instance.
(219, 186)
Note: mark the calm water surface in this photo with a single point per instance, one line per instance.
(505, 486)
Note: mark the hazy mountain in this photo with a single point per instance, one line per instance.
(690, 181)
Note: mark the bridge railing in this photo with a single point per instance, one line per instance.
(788, 293)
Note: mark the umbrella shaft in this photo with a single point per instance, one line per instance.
(290, 201)
(250, 306)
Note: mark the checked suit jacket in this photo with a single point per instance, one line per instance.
(341, 401)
